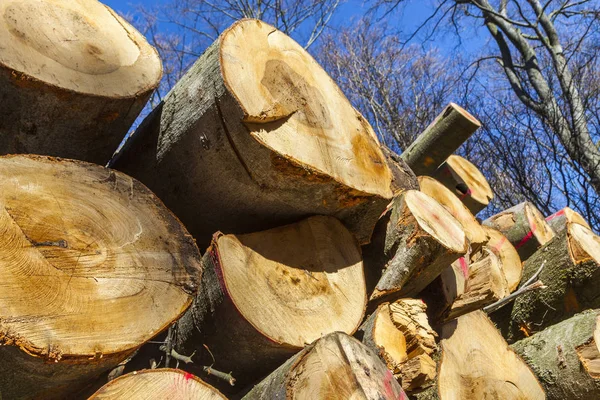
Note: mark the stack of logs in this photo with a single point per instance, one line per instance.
(330, 270)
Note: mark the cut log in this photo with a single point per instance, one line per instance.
(74, 76)
(157, 384)
(466, 182)
(507, 254)
(566, 357)
(92, 264)
(400, 334)
(473, 229)
(403, 178)
(559, 220)
(265, 295)
(335, 367)
(413, 243)
(523, 226)
(440, 139)
(571, 275)
(476, 363)
(257, 135)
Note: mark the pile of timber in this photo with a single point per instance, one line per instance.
(330, 270)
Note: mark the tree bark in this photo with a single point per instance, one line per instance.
(73, 78)
(571, 275)
(440, 139)
(560, 219)
(265, 295)
(403, 178)
(473, 230)
(413, 243)
(335, 367)
(400, 334)
(466, 182)
(256, 135)
(93, 265)
(157, 384)
(523, 226)
(566, 357)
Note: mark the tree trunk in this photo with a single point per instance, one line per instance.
(466, 182)
(413, 243)
(440, 139)
(473, 230)
(400, 334)
(265, 295)
(335, 367)
(524, 227)
(571, 275)
(403, 178)
(93, 265)
(73, 78)
(566, 357)
(476, 363)
(256, 135)
(157, 384)
(560, 219)
(508, 255)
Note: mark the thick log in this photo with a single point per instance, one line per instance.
(560, 219)
(265, 295)
(524, 227)
(256, 135)
(74, 76)
(571, 275)
(507, 254)
(400, 334)
(477, 363)
(403, 178)
(93, 265)
(473, 229)
(413, 243)
(157, 384)
(566, 357)
(466, 181)
(335, 367)
(440, 139)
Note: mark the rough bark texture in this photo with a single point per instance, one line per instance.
(93, 265)
(73, 117)
(403, 178)
(560, 219)
(572, 278)
(523, 226)
(335, 367)
(565, 357)
(440, 139)
(403, 257)
(209, 159)
(466, 182)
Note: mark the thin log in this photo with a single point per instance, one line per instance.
(524, 227)
(440, 139)
(93, 265)
(74, 76)
(466, 181)
(335, 367)
(560, 219)
(566, 357)
(257, 135)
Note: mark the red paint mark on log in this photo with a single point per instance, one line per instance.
(188, 376)
(556, 214)
(500, 243)
(464, 267)
(527, 237)
(467, 193)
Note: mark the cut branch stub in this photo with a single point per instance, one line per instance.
(335, 367)
(523, 226)
(560, 219)
(265, 295)
(571, 276)
(255, 135)
(400, 334)
(476, 363)
(507, 254)
(157, 384)
(466, 181)
(473, 230)
(93, 265)
(566, 357)
(440, 139)
(74, 76)
(413, 243)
